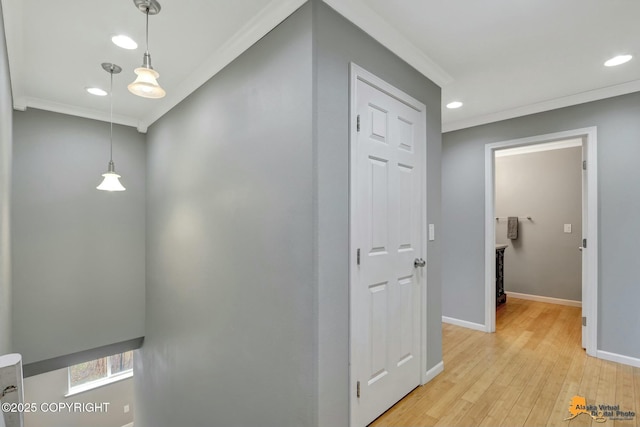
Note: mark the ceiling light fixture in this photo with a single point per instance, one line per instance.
(124, 42)
(454, 105)
(96, 91)
(146, 84)
(111, 181)
(618, 60)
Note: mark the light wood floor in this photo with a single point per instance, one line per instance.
(523, 375)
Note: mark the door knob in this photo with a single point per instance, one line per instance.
(419, 262)
(580, 248)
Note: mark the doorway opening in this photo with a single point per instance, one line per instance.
(586, 139)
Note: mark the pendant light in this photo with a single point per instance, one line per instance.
(111, 181)
(146, 84)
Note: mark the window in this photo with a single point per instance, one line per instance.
(99, 372)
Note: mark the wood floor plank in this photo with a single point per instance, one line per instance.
(503, 406)
(624, 392)
(636, 393)
(570, 387)
(526, 374)
(483, 405)
(588, 389)
(607, 388)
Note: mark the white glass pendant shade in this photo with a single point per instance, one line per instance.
(111, 181)
(146, 84)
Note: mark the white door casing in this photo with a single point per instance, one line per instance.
(388, 213)
(589, 228)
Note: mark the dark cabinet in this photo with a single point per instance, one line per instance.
(501, 297)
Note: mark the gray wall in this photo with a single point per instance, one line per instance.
(52, 387)
(546, 185)
(6, 112)
(78, 253)
(337, 43)
(619, 209)
(230, 316)
(247, 292)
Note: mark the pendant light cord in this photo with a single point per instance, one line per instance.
(111, 118)
(147, 29)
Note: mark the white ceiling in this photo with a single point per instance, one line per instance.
(502, 58)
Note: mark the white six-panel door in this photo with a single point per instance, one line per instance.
(387, 229)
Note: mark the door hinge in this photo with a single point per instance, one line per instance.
(584, 321)
(358, 256)
(584, 165)
(358, 123)
(358, 389)
(584, 243)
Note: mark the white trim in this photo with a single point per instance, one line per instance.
(559, 145)
(590, 254)
(553, 104)
(590, 224)
(433, 372)
(87, 113)
(358, 73)
(619, 358)
(13, 30)
(128, 425)
(266, 20)
(20, 104)
(99, 383)
(548, 300)
(375, 25)
(489, 241)
(464, 324)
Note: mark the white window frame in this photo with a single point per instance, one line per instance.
(101, 382)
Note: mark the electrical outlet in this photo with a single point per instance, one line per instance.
(567, 228)
(432, 232)
(126, 409)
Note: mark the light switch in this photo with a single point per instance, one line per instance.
(432, 232)
(126, 409)
(567, 228)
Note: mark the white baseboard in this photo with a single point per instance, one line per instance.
(128, 425)
(613, 357)
(549, 300)
(464, 324)
(433, 372)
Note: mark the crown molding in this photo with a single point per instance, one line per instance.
(87, 113)
(12, 12)
(266, 20)
(553, 104)
(373, 24)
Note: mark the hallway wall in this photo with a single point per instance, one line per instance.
(77, 253)
(338, 42)
(230, 296)
(618, 133)
(6, 136)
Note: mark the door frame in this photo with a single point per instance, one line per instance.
(589, 220)
(358, 73)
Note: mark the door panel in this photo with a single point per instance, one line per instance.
(389, 227)
(379, 210)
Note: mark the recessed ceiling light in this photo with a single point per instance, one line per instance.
(618, 60)
(454, 104)
(96, 91)
(124, 42)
